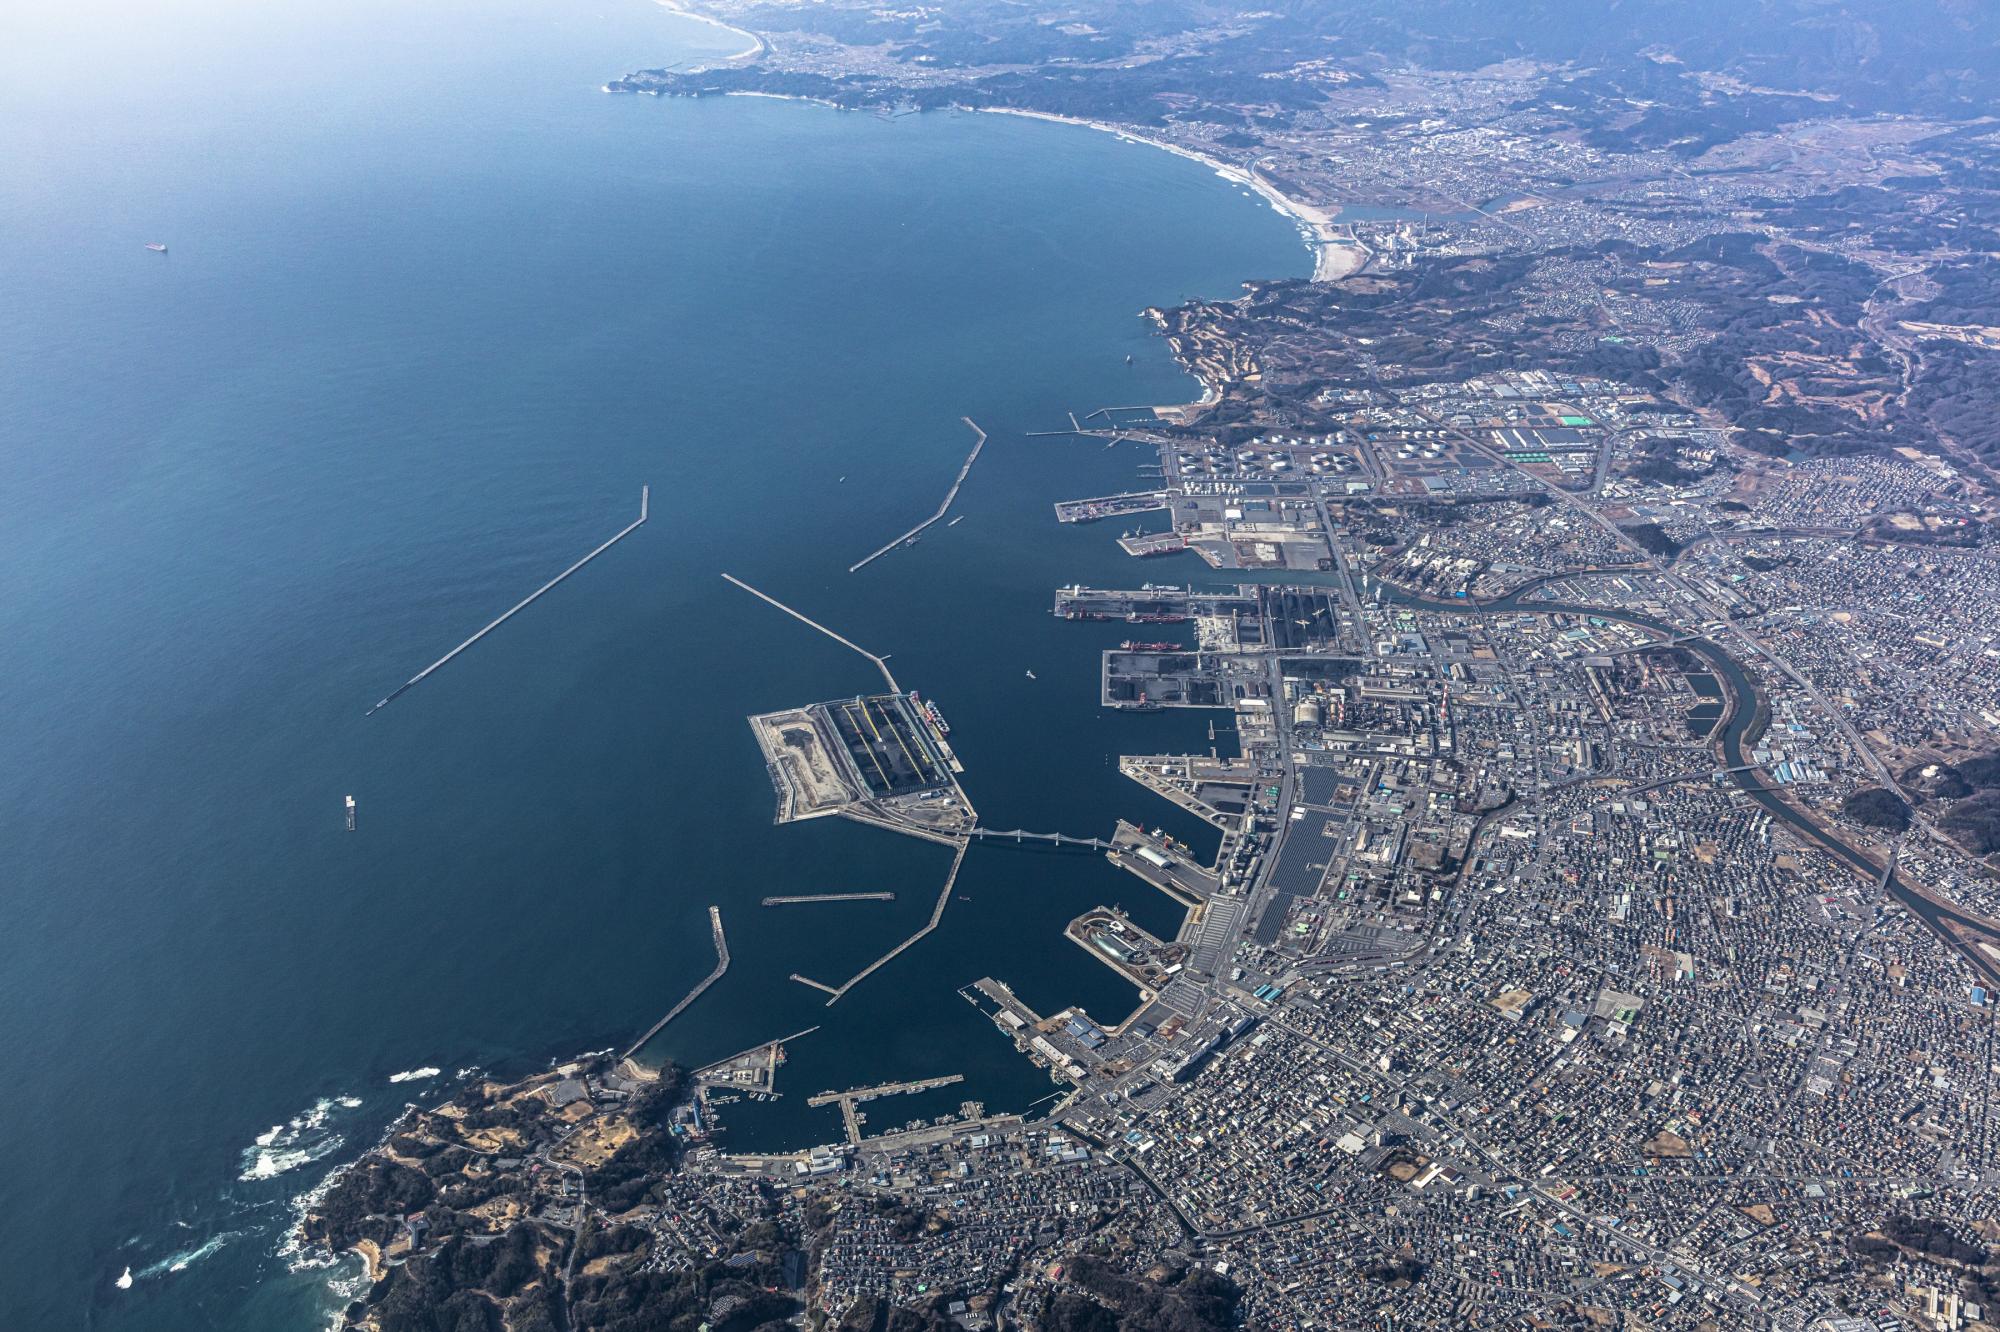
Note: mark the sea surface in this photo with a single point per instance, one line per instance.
(434, 308)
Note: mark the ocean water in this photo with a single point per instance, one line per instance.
(434, 309)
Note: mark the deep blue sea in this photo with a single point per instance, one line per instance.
(434, 308)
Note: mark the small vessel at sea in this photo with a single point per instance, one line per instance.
(956, 521)
(156, 247)
(350, 813)
(1031, 675)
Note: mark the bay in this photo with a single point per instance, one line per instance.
(433, 309)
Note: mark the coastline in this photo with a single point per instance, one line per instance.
(750, 52)
(1334, 256)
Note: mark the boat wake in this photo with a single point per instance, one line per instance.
(180, 1261)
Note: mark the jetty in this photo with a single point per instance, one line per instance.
(721, 965)
(829, 897)
(645, 497)
(942, 509)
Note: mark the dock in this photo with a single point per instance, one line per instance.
(942, 509)
(645, 497)
(829, 897)
(721, 965)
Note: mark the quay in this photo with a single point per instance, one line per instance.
(942, 509)
(829, 897)
(645, 496)
(881, 663)
(721, 965)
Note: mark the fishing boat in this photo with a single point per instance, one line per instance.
(350, 813)
(1031, 675)
(156, 247)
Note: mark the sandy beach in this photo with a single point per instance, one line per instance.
(1334, 256)
(756, 47)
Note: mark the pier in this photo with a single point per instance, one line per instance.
(942, 509)
(848, 1100)
(721, 965)
(881, 663)
(829, 897)
(645, 497)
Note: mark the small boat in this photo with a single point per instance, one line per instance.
(843, 480)
(350, 813)
(956, 521)
(156, 247)
(1128, 360)
(1031, 675)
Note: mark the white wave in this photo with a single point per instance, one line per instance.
(296, 1253)
(415, 1074)
(298, 1141)
(124, 1282)
(270, 1162)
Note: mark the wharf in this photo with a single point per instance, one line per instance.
(721, 965)
(1110, 506)
(1184, 780)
